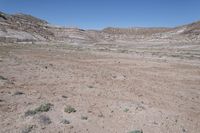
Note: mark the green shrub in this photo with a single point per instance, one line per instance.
(70, 109)
(136, 131)
(3, 78)
(126, 110)
(42, 108)
(84, 117)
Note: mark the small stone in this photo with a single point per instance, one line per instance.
(140, 108)
(100, 115)
(1, 100)
(43, 128)
(90, 86)
(64, 96)
(71, 127)
(155, 123)
(18, 93)
(45, 119)
(184, 130)
(89, 111)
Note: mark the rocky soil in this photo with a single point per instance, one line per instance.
(68, 80)
(68, 88)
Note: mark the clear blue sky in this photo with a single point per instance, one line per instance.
(97, 14)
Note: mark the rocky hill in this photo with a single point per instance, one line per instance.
(26, 28)
(192, 30)
(21, 27)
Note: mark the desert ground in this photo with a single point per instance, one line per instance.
(51, 88)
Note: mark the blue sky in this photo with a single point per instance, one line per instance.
(97, 14)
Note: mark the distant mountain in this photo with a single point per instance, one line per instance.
(135, 31)
(26, 28)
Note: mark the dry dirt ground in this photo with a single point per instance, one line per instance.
(109, 92)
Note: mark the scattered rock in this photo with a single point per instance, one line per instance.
(155, 123)
(140, 108)
(89, 111)
(114, 77)
(71, 127)
(69, 109)
(140, 95)
(100, 115)
(1, 100)
(43, 128)
(63, 96)
(90, 86)
(183, 129)
(18, 93)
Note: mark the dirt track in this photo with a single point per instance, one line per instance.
(117, 92)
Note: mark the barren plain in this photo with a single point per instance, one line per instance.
(148, 88)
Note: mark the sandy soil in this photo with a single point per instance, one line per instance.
(112, 92)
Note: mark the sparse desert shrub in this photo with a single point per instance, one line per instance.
(30, 112)
(42, 108)
(136, 131)
(28, 128)
(84, 117)
(64, 121)
(70, 109)
(126, 110)
(3, 78)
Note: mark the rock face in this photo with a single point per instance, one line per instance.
(24, 28)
